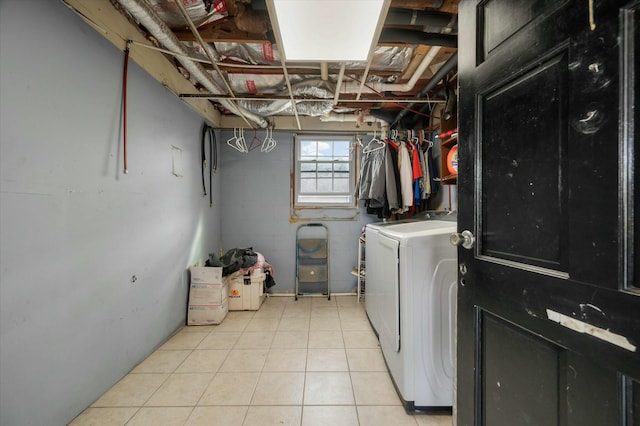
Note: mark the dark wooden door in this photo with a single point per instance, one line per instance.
(549, 300)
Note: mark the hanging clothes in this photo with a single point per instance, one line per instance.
(392, 175)
(406, 177)
(435, 182)
(416, 167)
(426, 178)
(372, 177)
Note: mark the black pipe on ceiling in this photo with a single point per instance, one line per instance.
(419, 18)
(389, 116)
(399, 35)
(451, 63)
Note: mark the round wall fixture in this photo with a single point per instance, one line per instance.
(452, 160)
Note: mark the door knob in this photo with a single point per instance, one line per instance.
(464, 239)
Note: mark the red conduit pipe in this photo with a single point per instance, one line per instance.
(124, 105)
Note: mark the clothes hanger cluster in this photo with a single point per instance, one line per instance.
(269, 142)
(239, 143)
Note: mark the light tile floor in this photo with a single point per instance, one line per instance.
(307, 362)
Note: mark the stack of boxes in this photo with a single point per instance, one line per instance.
(207, 296)
(246, 292)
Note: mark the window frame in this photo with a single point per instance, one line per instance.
(298, 139)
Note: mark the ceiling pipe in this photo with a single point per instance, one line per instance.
(409, 85)
(303, 97)
(397, 16)
(451, 63)
(324, 71)
(400, 35)
(441, 93)
(150, 20)
(382, 115)
(339, 84)
(378, 87)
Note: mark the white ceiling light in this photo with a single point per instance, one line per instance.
(327, 30)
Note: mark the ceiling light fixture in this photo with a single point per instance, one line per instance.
(327, 30)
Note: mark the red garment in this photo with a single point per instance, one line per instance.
(416, 167)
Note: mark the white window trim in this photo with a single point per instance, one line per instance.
(353, 169)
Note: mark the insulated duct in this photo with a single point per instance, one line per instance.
(150, 20)
(354, 87)
(315, 88)
(346, 118)
(285, 107)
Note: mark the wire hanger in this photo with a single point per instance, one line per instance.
(414, 137)
(269, 143)
(374, 144)
(241, 142)
(428, 142)
(232, 141)
(237, 142)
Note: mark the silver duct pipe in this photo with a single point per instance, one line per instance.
(378, 87)
(147, 17)
(346, 118)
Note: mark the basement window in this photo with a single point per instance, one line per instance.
(324, 170)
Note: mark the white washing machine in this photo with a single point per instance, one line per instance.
(411, 303)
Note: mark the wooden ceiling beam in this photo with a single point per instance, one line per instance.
(115, 27)
(223, 30)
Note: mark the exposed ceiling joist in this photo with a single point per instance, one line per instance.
(115, 27)
(187, 62)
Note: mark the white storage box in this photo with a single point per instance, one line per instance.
(207, 294)
(246, 292)
(206, 275)
(207, 314)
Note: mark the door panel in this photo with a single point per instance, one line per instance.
(548, 306)
(532, 174)
(633, 403)
(600, 405)
(516, 366)
(499, 19)
(389, 333)
(629, 154)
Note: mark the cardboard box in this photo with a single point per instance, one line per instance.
(207, 294)
(206, 275)
(246, 292)
(207, 314)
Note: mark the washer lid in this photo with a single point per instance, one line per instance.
(425, 228)
(429, 215)
(382, 225)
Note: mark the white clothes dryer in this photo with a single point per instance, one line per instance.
(411, 303)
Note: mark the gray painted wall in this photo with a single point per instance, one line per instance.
(256, 194)
(73, 228)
